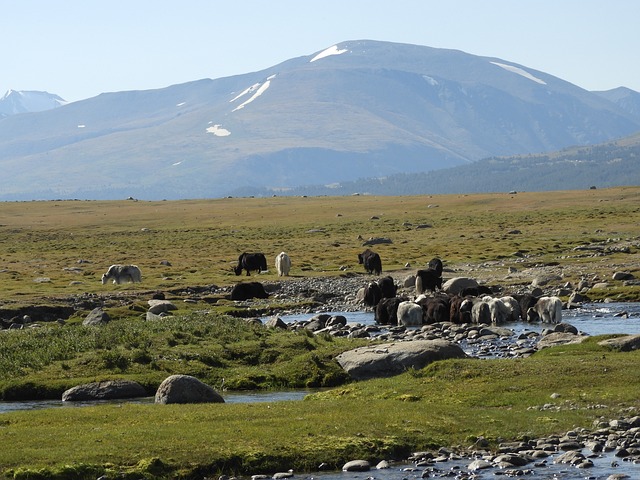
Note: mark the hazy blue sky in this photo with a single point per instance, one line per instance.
(81, 48)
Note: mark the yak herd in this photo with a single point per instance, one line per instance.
(457, 302)
(445, 302)
(433, 301)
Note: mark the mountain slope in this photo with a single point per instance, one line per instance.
(358, 109)
(610, 164)
(625, 98)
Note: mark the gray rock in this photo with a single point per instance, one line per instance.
(160, 306)
(394, 358)
(577, 297)
(572, 457)
(282, 475)
(276, 322)
(559, 338)
(356, 466)
(457, 284)
(623, 276)
(186, 389)
(152, 316)
(565, 328)
(409, 282)
(107, 390)
(625, 343)
(479, 465)
(545, 279)
(376, 241)
(97, 316)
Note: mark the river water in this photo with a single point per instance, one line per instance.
(591, 319)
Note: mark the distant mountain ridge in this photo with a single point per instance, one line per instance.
(611, 164)
(14, 102)
(357, 109)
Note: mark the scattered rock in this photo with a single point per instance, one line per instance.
(97, 316)
(623, 276)
(394, 358)
(376, 241)
(186, 389)
(625, 343)
(455, 285)
(356, 466)
(160, 306)
(107, 390)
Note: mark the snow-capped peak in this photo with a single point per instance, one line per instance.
(15, 101)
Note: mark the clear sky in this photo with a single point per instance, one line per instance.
(81, 48)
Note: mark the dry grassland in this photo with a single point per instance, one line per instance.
(59, 248)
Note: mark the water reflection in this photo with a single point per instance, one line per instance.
(229, 397)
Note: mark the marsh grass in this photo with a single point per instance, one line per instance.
(43, 362)
(445, 404)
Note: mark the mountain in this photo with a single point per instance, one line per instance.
(356, 109)
(625, 98)
(610, 164)
(14, 102)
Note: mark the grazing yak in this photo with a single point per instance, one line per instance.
(372, 294)
(480, 312)
(283, 264)
(526, 301)
(122, 273)
(251, 261)
(460, 311)
(410, 314)
(547, 310)
(436, 308)
(371, 261)
(387, 287)
(428, 279)
(248, 290)
(387, 310)
(435, 264)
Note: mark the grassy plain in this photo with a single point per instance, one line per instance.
(203, 238)
(56, 251)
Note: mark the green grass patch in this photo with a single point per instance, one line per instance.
(445, 404)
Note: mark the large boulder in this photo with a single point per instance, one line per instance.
(394, 358)
(186, 389)
(158, 306)
(554, 339)
(624, 343)
(455, 285)
(107, 390)
(97, 316)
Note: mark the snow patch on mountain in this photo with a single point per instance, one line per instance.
(520, 71)
(218, 131)
(247, 90)
(430, 80)
(260, 90)
(328, 52)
